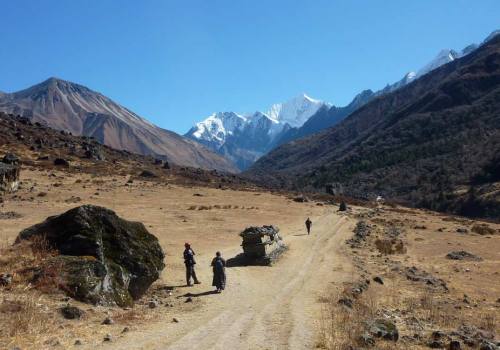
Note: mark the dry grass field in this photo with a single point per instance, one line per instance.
(292, 305)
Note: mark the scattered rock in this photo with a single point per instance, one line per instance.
(125, 330)
(166, 165)
(361, 232)
(416, 275)
(436, 344)
(153, 304)
(384, 329)
(108, 338)
(175, 320)
(366, 339)
(189, 300)
(108, 321)
(378, 279)
(78, 342)
(462, 230)
(462, 255)
(148, 174)
(11, 159)
(483, 229)
(454, 345)
(301, 199)
(5, 279)
(9, 215)
(359, 287)
(71, 312)
(9, 174)
(103, 259)
(61, 162)
(346, 302)
(342, 206)
(93, 152)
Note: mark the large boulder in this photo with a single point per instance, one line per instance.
(103, 259)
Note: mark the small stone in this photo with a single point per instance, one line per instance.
(153, 304)
(5, 279)
(108, 337)
(378, 279)
(346, 302)
(454, 345)
(436, 344)
(189, 300)
(78, 342)
(108, 321)
(71, 312)
(125, 330)
(175, 320)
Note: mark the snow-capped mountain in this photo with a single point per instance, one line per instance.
(443, 57)
(243, 138)
(296, 111)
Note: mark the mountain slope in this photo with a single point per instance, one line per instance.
(75, 108)
(429, 143)
(245, 138)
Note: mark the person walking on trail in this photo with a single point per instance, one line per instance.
(190, 262)
(308, 225)
(219, 268)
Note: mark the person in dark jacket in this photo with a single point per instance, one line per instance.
(308, 225)
(219, 268)
(190, 262)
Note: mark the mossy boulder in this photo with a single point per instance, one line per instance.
(103, 259)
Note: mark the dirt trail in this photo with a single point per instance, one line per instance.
(262, 308)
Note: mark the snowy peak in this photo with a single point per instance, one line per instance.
(217, 127)
(296, 111)
(443, 57)
(243, 138)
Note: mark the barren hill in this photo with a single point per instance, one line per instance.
(75, 108)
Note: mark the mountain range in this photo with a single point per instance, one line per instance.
(75, 108)
(434, 142)
(243, 138)
(243, 142)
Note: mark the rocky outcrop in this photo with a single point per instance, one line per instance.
(103, 259)
(9, 173)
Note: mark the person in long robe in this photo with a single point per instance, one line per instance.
(219, 269)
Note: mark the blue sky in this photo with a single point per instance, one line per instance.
(176, 62)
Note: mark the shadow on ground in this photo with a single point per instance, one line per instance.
(196, 295)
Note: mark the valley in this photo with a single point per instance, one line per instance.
(225, 208)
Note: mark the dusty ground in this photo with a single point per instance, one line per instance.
(279, 307)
